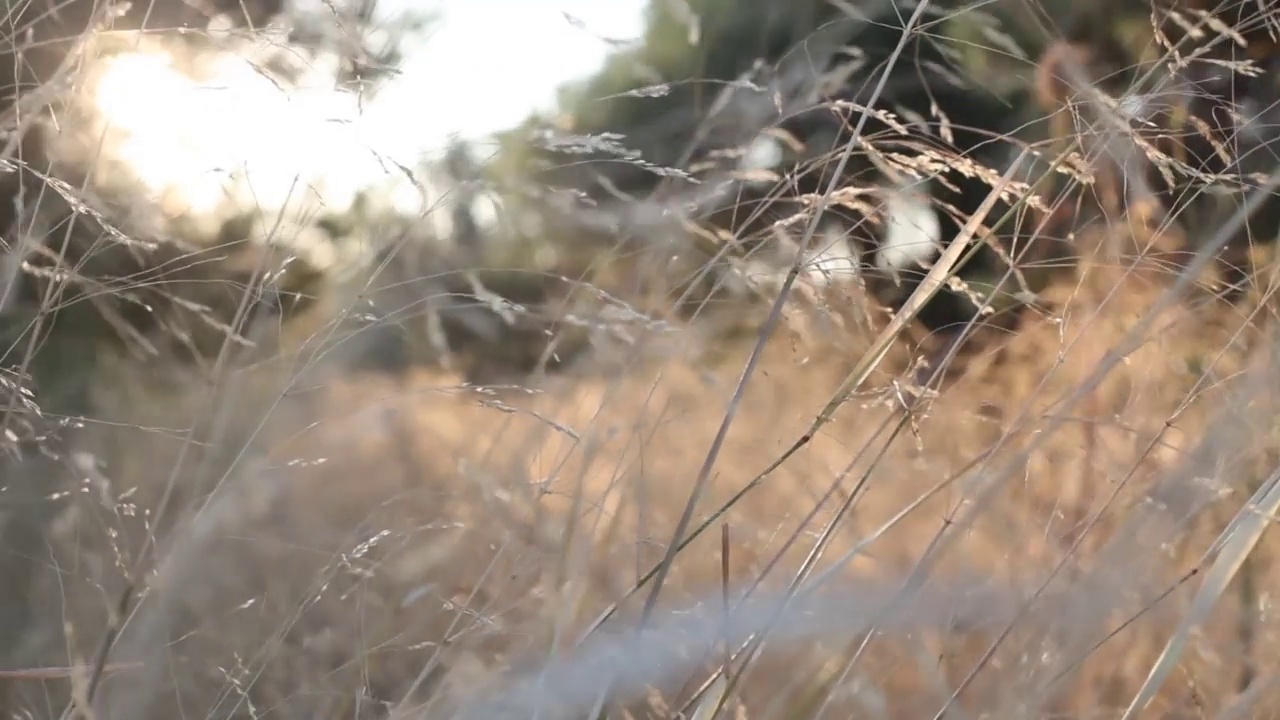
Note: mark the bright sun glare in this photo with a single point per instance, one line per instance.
(233, 135)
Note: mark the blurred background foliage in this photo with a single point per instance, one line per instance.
(653, 93)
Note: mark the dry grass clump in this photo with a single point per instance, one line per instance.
(304, 542)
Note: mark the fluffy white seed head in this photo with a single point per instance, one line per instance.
(764, 153)
(912, 231)
(832, 260)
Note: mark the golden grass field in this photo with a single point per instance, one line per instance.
(342, 545)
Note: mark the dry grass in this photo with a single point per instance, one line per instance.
(339, 545)
(297, 539)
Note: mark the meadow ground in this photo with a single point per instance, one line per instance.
(331, 545)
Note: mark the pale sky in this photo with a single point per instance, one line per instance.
(488, 63)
